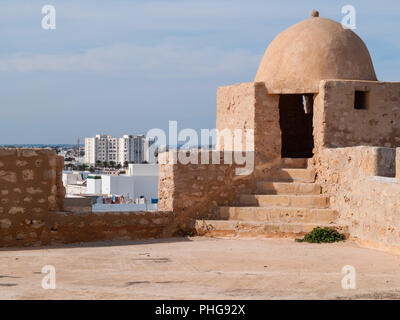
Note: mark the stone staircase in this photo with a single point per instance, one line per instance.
(290, 207)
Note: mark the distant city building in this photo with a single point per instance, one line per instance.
(129, 148)
(149, 151)
(138, 186)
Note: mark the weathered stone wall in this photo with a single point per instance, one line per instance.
(30, 181)
(353, 166)
(338, 124)
(249, 106)
(50, 228)
(194, 191)
(367, 202)
(236, 106)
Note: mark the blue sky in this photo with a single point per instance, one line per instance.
(122, 66)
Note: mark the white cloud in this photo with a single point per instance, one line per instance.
(165, 60)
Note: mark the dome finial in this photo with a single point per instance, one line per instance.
(314, 14)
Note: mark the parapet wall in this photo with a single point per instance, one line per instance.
(363, 189)
(194, 191)
(53, 228)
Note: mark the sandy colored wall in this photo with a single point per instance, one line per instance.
(30, 181)
(368, 203)
(236, 106)
(37, 229)
(354, 161)
(194, 191)
(249, 106)
(338, 124)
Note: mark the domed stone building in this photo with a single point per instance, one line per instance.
(325, 137)
(319, 78)
(313, 50)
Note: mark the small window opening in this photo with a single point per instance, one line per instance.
(361, 100)
(386, 162)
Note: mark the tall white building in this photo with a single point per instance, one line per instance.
(129, 148)
(149, 149)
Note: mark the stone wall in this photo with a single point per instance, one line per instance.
(338, 124)
(366, 199)
(194, 191)
(30, 181)
(32, 207)
(51, 228)
(353, 159)
(249, 106)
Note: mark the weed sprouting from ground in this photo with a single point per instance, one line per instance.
(322, 235)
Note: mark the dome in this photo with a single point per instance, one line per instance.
(313, 50)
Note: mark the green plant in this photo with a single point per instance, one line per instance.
(181, 232)
(322, 235)
(189, 234)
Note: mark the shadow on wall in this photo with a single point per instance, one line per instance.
(386, 162)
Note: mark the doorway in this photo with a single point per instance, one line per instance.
(295, 120)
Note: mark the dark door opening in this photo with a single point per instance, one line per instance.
(295, 119)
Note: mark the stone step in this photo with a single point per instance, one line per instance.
(299, 163)
(302, 201)
(278, 214)
(232, 228)
(299, 175)
(269, 187)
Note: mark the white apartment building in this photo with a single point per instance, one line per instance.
(130, 148)
(149, 148)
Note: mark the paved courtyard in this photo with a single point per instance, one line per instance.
(199, 268)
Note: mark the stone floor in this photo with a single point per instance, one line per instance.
(199, 268)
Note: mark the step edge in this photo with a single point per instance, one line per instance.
(260, 222)
(278, 207)
(290, 194)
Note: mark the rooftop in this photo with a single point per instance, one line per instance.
(199, 268)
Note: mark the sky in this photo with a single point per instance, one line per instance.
(127, 66)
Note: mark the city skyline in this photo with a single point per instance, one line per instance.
(145, 62)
